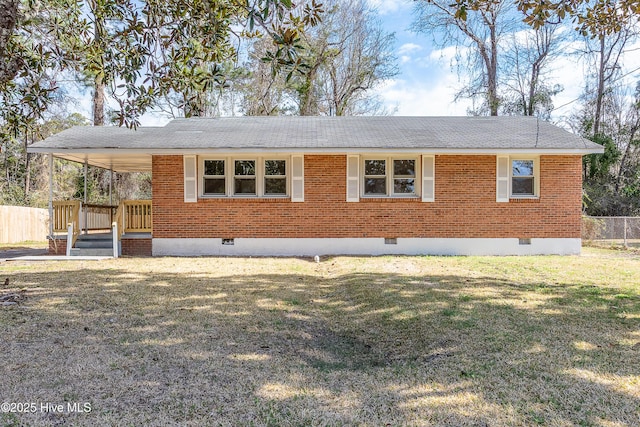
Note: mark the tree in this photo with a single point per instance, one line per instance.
(478, 31)
(190, 42)
(610, 116)
(362, 61)
(262, 92)
(591, 18)
(527, 59)
(343, 57)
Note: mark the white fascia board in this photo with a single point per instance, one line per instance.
(310, 151)
(284, 151)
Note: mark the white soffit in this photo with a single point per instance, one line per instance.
(116, 161)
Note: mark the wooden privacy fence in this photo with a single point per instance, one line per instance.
(20, 224)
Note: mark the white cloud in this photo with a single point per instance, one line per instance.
(385, 7)
(409, 48)
(423, 99)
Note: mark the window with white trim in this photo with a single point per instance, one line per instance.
(275, 177)
(390, 177)
(244, 177)
(213, 177)
(524, 177)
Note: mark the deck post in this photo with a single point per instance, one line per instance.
(51, 219)
(86, 167)
(115, 239)
(69, 238)
(111, 185)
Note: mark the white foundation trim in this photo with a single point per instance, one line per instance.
(363, 246)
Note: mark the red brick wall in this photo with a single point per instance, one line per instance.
(136, 247)
(58, 246)
(465, 205)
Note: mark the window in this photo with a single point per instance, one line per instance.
(262, 177)
(390, 177)
(523, 178)
(244, 179)
(275, 177)
(375, 177)
(404, 176)
(214, 182)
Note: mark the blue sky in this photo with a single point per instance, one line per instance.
(426, 84)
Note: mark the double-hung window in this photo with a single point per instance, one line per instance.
(390, 177)
(404, 176)
(375, 177)
(524, 177)
(275, 177)
(214, 180)
(244, 177)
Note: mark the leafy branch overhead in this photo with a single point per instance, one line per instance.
(137, 51)
(188, 42)
(602, 17)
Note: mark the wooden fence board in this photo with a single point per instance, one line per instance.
(21, 224)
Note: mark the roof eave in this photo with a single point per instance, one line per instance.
(57, 151)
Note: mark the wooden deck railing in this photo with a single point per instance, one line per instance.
(137, 216)
(66, 218)
(132, 216)
(97, 217)
(65, 213)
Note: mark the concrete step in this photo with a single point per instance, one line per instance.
(95, 237)
(95, 241)
(94, 244)
(91, 252)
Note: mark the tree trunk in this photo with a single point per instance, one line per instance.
(306, 93)
(600, 92)
(8, 17)
(98, 102)
(27, 172)
(625, 156)
(492, 72)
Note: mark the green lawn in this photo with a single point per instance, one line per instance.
(415, 341)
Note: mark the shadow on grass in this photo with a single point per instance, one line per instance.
(303, 349)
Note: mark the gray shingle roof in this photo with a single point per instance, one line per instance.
(313, 134)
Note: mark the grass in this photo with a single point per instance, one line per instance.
(24, 245)
(416, 341)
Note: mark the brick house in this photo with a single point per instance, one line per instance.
(348, 185)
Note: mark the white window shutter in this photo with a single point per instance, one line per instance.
(502, 178)
(353, 178)
(190, 179)
(297, 178)
(428, 178)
